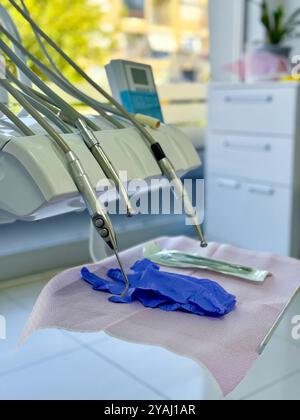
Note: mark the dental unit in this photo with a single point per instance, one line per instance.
(166, 166)
(50, 180)
(71, 177)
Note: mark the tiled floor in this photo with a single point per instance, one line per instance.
(62, 365)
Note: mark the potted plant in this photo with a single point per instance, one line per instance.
(279, 29)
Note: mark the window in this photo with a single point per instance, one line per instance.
(136, 8)
(190, 10)
(137, 46)
(170, 35)
(162, 12)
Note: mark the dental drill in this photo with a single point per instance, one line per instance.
(100, 219)
(162, 160)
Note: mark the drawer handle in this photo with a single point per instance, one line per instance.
(262, 190)
(249, 99)
(228, 183)
(247, 146)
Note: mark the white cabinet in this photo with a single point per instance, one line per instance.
(253, 167)
(257, 158)
(253, 109)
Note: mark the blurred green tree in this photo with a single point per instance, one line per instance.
(78, 26)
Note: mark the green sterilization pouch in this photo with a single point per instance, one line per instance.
(178, 259)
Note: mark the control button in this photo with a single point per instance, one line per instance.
(104, 233)
(99, 223)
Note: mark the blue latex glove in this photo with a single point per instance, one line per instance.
(167, 291)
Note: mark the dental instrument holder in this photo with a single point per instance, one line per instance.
(89, 138)
(43, 186)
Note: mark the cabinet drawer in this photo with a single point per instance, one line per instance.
(255, 158)
(248, 215)
(264, 111)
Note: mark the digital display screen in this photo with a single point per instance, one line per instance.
(139, 76)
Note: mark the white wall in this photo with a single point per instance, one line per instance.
(226, 35)
(292, 5)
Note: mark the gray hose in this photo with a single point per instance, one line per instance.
(16, 121)
(49, 114)
(41, 44)
(29, 108)
(79, 70)
(70, 111)
(42, 106)
(12, 29)
(68, 86)
(62, 82)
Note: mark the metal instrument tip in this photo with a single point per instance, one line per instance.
(127, 284)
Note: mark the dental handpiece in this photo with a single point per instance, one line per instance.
(85, 127)
(164, 163)
(100, 156)
(99, 217)
(179, 190)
